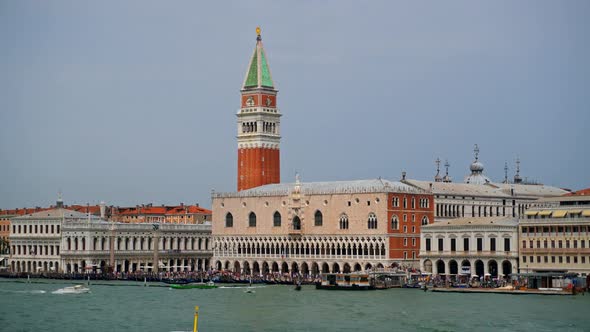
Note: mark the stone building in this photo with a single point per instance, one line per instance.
(319, 226)
(134, 247)
(478, 196)
(555, 235)
(470, 246)
(35, 239)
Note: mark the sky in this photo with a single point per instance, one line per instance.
(133, 102)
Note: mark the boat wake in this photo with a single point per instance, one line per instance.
(35, 291)
(241, 287)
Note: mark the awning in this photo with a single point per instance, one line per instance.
(586, 213)
(531, 213)
(545, 212)
(559, 213)
(574, 211)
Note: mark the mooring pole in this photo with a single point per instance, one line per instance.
(196, 321)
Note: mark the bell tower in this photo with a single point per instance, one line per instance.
(258, 125)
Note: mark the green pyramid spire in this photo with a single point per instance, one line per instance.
(258, 75)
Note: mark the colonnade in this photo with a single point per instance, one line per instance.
(314, 247)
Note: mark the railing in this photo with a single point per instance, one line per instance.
(554, 250)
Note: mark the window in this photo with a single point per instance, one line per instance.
(372, 221)
(405, 203)
(405, 242)
(427, 244)
(394, 223)
(252, 219)
(424, 220)
(349, 203)
(493, 244)
(560, 259)
(560, 243)
(414, 241)
(524, 244)
(506, 244)
(524, 259)
(276, 219)
(413, 229)
(413, 203)
(466, 244)
(479, 244)
(405, 217)
(453, 244)
(567, 259)
(229, 220)
(368, 203)
(440, 244)
(319, 218)
(343, 221)
(552, 259)
(296, 223)
(405, 229)
(395, 202)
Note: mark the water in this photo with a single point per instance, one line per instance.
(119, 306)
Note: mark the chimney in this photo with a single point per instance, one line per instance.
(197, 204)
(102, 209)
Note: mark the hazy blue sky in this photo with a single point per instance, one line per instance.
(135, 101)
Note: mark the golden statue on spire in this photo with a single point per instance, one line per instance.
(258, 31)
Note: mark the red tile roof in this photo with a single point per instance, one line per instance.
(582, 192)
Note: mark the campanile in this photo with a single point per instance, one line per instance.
(258, 125)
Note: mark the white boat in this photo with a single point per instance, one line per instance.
(78, 289)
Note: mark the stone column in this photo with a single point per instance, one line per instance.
(485, 266)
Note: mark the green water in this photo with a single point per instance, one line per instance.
(126, 307)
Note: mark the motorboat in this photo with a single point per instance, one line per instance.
(345, 281)
(78, 289)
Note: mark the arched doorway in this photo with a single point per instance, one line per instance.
(294, 268)
(379, 266)
(428, 266)
(126, 266)
(346, 268)
(246, 268)
(493, 268)
(357, 267)
(368, 266)
(218, 265)
(227, 265)
(335, 268)
(315, 269)
(265, 268)
(304, 269)
(285, 267)
(275, 267)
(440, 267)
(256, 268)
(506, 268)
(325, 268)
(453, 267)
(479, 268)
(466, 267)
(237, 267)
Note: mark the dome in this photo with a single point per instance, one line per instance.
(476, 167)
(477, 179)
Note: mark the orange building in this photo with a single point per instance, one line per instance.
(177, 214)
(258, 125)
(407, 212)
